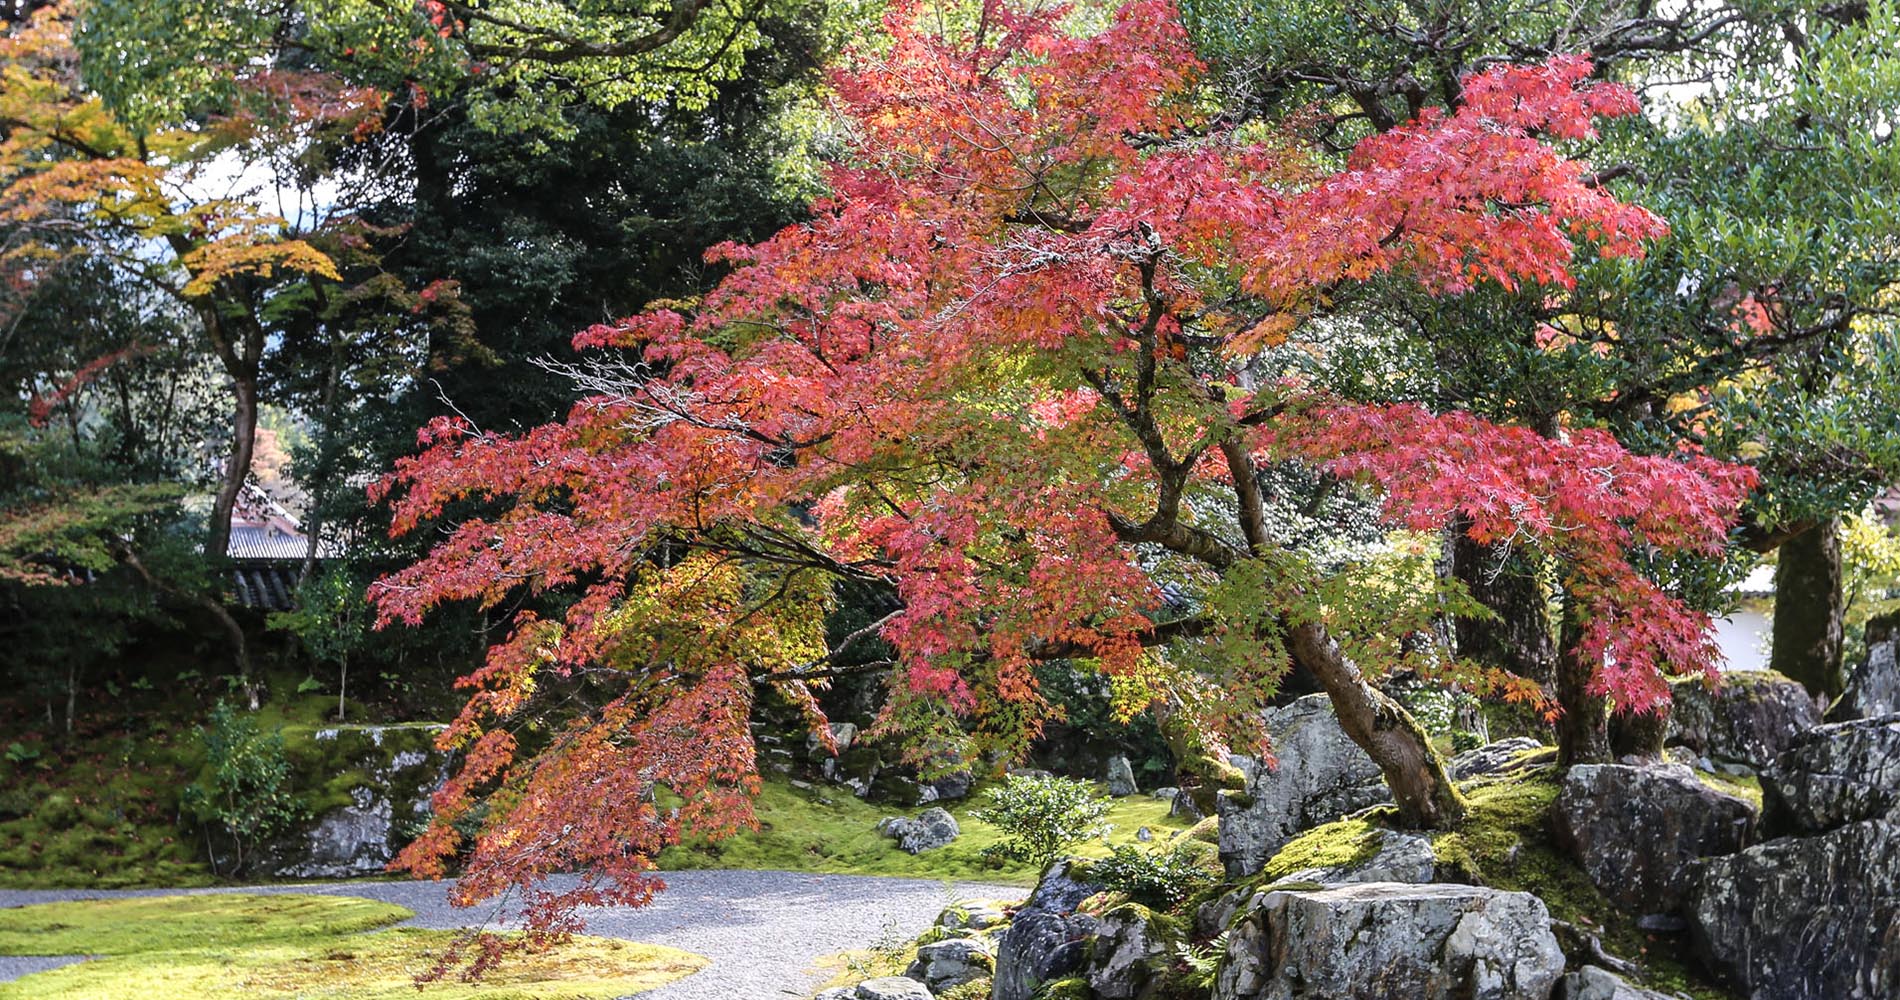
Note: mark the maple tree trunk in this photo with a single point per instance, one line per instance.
(1583, 730)
(1421, 787)
(1809, 610)
(1520, 638)
(243, 441)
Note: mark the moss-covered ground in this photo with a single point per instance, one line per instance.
(227, 947)
(827, 829)
(169, 923)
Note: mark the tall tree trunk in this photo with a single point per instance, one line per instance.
(1583, 731)
(1421, 788)
(237, 468)
(325, 471)
(1809, 610)
(1520, 638)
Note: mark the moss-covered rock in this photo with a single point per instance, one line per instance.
(1506, 841)
(365, 789)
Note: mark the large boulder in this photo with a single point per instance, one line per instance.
(1378, 940)
(1131, 953)
(933, 828)
(1047, 939)
(1835, 774)
(1874, 689)
(941, 965)
(947, 787)
(1634, 829)
(1593, 983)
(1748, 719)
(1395, 857)
(1804, 918)
(1319, 775)
(1121, 777)
(1039, 947)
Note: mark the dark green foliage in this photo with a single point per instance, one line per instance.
(245, 788)
(1158, 877)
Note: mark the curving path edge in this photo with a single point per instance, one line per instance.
(763, 930)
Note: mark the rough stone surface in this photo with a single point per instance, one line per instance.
(943, 964)
(1635, 829)
(933, 828)
(949, 787)
(842, 733)
(1182, 806)
(1382, 939)
(1492, 757)
(1805, 918)
(1752, 717)
(1593, 983)
(1835, 774)
(398, 768)
(1121, 777)
(885, 988)
(1039, 946)
(1129, 955)
(1047, 939)
(1319, 776)
(1061, 889)
(1874, 689)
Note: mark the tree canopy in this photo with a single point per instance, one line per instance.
(1004, 373)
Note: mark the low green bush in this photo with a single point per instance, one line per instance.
(1041, 818)
(1159, 878)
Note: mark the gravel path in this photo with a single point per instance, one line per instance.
(763, 930)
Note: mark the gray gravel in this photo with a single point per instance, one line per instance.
(762, 930)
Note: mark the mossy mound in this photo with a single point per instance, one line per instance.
(100, 816)
(1339, 844)
(252, 947)
(167, 923)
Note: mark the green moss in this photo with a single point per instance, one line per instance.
(1748, 788)
(827, 829)
(166, 923)
(1336, 844)
(975, 989)
(364, 967)
(227, 947)
(1070, 988)
(1207, 831)
(100, 815)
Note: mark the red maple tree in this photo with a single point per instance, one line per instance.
(1003, 373)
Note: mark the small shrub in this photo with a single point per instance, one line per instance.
(1041, 818)
(246, 785)
(1159, 879)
